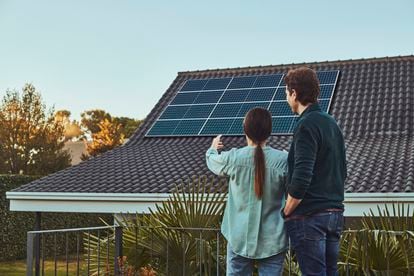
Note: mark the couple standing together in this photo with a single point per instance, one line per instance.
(274, 195)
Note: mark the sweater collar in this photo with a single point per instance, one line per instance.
(311, 108)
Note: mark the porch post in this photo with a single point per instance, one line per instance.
(29, 255)
(118, 248)
(37, 243)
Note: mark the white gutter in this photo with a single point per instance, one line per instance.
(88, 196)
(374, 197)
(84, 202)
(356, 204)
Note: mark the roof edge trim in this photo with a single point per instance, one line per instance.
(287, 65)
(88, 196)
(349, 197)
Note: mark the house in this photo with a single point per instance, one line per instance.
(373, 103)
(76, 149)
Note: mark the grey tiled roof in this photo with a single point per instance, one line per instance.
(373, 103)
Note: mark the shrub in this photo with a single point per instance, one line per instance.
(15, 225)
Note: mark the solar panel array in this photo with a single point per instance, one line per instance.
(208, 107)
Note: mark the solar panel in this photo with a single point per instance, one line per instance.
(247, 106)
(208, 107)
(194, 85)
(217, 126)
(214, 84)
(226, 110)
(237, 95)
(207, 97)
(260, 94)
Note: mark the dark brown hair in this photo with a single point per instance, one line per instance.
(258, 127)
(306, 84)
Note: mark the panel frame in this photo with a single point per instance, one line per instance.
(235, 118)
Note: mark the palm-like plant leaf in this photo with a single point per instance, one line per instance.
(383, 247)
(179, 236)
(400, 219)
(99, 253)
(184, 229)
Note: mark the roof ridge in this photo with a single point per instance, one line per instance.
(327, 62)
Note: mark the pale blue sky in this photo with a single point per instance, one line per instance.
(121, 56)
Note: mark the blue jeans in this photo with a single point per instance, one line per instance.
(315, 240)
(241, 266)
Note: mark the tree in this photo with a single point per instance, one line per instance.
(128, 125)
(31, 139)
(104, 131)
(72, 129)
(108, 137)
(91, 119)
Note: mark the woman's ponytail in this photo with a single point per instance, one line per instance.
(259, 171)
(258, 126)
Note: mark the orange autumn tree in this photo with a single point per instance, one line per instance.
(104, 132)
(106, 138)
(72, 129)
(32, 141)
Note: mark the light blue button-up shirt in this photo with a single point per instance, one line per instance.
(253, 227)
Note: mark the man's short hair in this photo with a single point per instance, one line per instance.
(306, 84)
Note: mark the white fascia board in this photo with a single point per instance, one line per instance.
(73, 206)
(356, 204)
(85, 202)
(379, 197)
(88, 196)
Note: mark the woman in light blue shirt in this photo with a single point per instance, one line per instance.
(252, 224)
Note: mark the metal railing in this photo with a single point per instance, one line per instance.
(178, 251)
(99, 250)
(39, 243)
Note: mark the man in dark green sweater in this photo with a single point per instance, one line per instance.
(316, 175)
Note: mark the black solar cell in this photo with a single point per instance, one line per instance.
(215, 84)
(199, 111)
(194, 85)
(234, 96)
(208, 97)
(242, 82)
(268, 80)
(188, 127)
(217, 126)
(261, 94)
(185, 98)
(226, 110)
(162, 128)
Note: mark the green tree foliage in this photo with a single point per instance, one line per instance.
(31, 139)
(128, 125)
(14, 225)
(92, 118)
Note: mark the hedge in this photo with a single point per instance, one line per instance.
(14, 225)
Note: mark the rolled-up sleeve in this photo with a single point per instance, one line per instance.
(306, 148)
(219, 163)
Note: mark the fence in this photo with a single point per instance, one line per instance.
(188, 251)
(96, 250)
